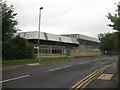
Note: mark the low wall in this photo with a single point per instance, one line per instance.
(49, 55)
(78, 53)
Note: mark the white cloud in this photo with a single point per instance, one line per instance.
(65, 16)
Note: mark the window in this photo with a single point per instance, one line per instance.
(51, 50)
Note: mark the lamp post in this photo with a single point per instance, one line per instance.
(39, 33)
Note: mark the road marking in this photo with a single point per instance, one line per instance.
(80, 63)
(33, 64)
(84, 82)
(55, 69)
(83, 62)
(90, 77)
(67, 66)
(14, 78)
(60, 68)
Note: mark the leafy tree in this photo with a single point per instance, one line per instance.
(108, 42)
(115, 19)
(18, 48)
(13, 47)
(8, 22)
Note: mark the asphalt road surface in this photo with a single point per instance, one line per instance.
(54, 75)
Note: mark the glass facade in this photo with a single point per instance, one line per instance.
(47, 49)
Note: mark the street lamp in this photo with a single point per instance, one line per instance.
(39, 32)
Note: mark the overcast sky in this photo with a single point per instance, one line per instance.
(65, 16)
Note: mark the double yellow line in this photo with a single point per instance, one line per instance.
(85, 81)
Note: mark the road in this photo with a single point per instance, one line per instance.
(54, 75)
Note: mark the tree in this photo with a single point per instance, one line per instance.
(115, 19)
(8, 22)
(108, 42)
(18, 48)
(13, 47)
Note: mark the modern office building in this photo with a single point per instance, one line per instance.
(52, 45)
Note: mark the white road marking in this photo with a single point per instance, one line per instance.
(83, 62)
(33, 64)
(14, 78)
(80, 63)
(55, 69)
(67, 66)
(102, 62)
(60, 68)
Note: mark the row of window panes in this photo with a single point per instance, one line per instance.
(51, 50)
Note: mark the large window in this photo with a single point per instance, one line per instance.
(51, 50)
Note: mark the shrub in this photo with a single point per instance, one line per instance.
(17, 48)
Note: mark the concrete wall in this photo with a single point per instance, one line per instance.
(78, 53)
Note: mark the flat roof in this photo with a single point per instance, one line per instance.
(48, 36)
(81, 36)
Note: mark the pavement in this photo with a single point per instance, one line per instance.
(102, 82)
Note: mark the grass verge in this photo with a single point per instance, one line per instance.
(51, 59)
(23, 61)
(18, 61)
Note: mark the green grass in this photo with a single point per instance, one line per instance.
(23, 61)
(50, 59)
(19, 61)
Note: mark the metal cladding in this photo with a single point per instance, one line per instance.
(65, 38)
(31, 35)
(48, 37)
(80, 36)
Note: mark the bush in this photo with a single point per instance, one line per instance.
(17, 48)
